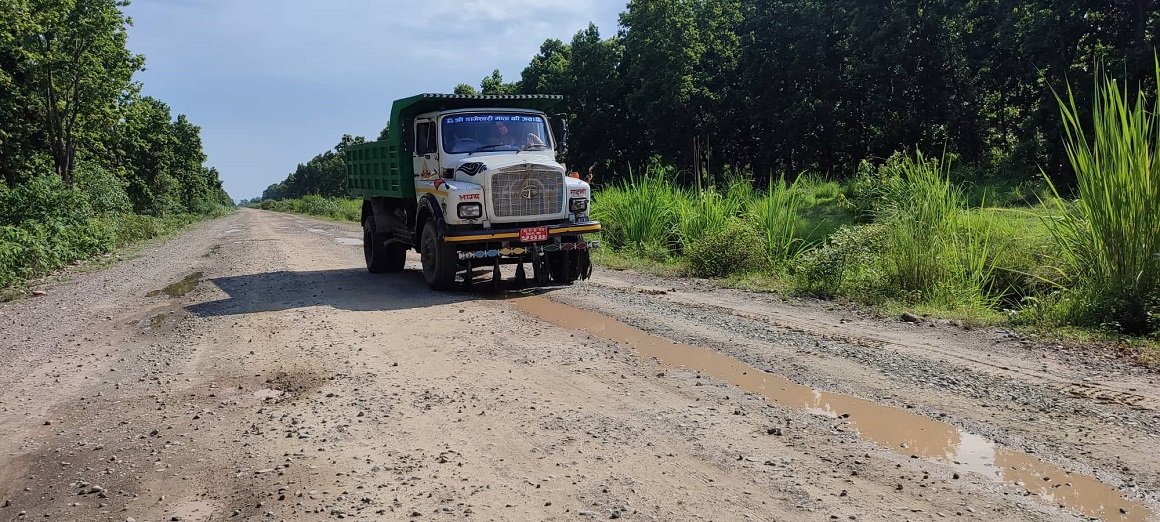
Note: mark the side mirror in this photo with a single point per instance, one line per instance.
(408, 135)
(560, 131)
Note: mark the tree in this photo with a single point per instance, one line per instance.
(494, 84)
(77, 59)
(596, 134)
(550, 70)
(464, 89)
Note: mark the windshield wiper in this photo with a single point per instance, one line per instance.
(484, 147)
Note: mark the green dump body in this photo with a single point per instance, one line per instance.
(384, 168)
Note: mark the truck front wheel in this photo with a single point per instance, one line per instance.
(439, 261)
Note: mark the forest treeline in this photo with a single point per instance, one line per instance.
(793, 86)
(87, 161)
(818, 85)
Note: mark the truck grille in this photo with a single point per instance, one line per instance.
(527, 191)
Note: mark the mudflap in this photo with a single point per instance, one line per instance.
(584, 264)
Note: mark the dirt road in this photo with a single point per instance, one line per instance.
(253, 370)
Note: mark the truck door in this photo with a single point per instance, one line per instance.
(426, 149)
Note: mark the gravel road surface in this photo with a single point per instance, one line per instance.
(251, 369)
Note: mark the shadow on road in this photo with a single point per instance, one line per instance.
(352, 289)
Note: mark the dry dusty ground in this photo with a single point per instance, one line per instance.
(278, 380)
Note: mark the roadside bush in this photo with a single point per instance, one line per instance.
(349, 209)
(104, 192)
(316, 205)
(1109, 239)
(42, 199)
(131, 228)
(870, 184)
(724, 250)
(849, 263)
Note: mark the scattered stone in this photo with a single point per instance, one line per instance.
(39, 293)
(910, 318)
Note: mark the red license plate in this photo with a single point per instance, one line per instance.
(533, 235)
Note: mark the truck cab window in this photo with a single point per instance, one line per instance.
(425, 140)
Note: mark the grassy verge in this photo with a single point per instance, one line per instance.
(339, 209)
(46, 226)
(909, 239)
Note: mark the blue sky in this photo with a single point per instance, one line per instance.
(272, 83)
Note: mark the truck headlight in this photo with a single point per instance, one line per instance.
(578, 205)
(469, 210)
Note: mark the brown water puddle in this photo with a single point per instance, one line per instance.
(179, 288)
(906, 433)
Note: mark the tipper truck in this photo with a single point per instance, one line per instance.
(471, 182)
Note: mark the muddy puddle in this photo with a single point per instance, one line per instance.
(179, 288)
(906, 433)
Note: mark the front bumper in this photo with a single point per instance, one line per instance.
(505, 234)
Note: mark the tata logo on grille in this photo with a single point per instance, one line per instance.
(529, 192)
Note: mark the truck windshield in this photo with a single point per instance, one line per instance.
(494, 131)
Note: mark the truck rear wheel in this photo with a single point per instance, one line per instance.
(439, 261)
(381, 257)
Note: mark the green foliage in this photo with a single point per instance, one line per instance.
(43, 199)
(776, 218)
(46, 225)
(549, 72)
(343, 209)
(849, 264)
(102, 189)
(920, 211)
(641, 214)
(494, 84)
(1109, 239)
(702, 212)
(70, 65)
(868, 188)
(461, 89)
(324, 175)
(726, 248)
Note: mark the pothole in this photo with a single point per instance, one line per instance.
(179, 288)
(903, 432)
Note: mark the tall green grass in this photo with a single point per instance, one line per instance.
(641, 214)
(921, 211)
(775, 215)
(1109, 239)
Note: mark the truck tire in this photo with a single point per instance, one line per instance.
(439, 261)
(396, 257)
(374, 249)
(381, 257)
